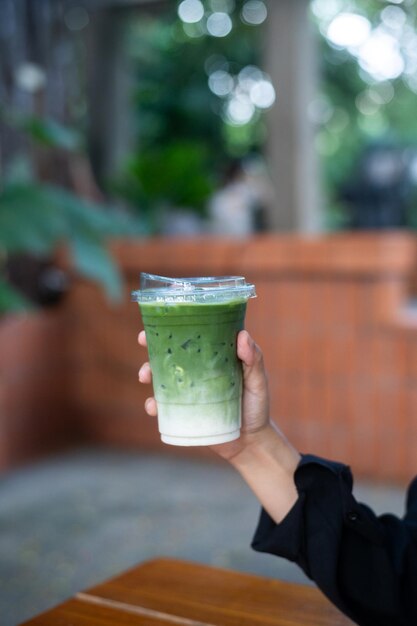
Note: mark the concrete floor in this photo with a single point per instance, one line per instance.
(69, 522)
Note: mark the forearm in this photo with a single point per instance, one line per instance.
(267, 464)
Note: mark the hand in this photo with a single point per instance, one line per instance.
(262, 455)
(255, 400)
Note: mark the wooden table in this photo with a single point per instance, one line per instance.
(163, 592)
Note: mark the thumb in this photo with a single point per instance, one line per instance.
(254, 375)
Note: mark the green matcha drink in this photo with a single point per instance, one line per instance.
(191, 327)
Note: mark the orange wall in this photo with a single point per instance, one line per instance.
(35, 415)
(330, 315)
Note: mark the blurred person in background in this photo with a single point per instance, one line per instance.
(379, 192)
(238, 208)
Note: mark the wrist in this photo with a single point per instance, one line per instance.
(267, 443)
(267, 463)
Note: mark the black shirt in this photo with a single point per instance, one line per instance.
(366, 565)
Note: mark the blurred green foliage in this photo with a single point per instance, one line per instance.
(348, 129)
(166, 175)
(342, 140)
(184, 142)
(175, 107)
(172, 97)
(37, 217)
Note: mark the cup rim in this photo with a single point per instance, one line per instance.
(197, 289)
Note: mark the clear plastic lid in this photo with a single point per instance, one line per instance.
(199, 289)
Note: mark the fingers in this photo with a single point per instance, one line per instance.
(145, 374)
(150, 407)
(142, 339)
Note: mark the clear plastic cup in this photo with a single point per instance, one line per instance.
(191, 327)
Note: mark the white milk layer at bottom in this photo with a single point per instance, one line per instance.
(201, 424)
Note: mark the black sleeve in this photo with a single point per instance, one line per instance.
(366, 565)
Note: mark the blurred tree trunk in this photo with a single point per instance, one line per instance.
(72, 69)
(109, 88)
(37, 72)
(110, 80)
(291, 61)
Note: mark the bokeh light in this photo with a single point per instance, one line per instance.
(30, 77)
(394, 18)
(240, 110)
(384, 52)
(191, 11)
(326, 9)
(380, 56)
(249, 76)
(262, 94)
(76, 18)
(243, 94)
(221, 83)
(411, 82)
(320, 110)
(254, 12)
(366, 104)
(219, 24)
(382, 93)
(348, 30)
(409, 47)
(194, 29)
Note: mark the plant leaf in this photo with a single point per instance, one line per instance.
(50, 133)
(93, 261)
(30, 221)
(35, 218)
